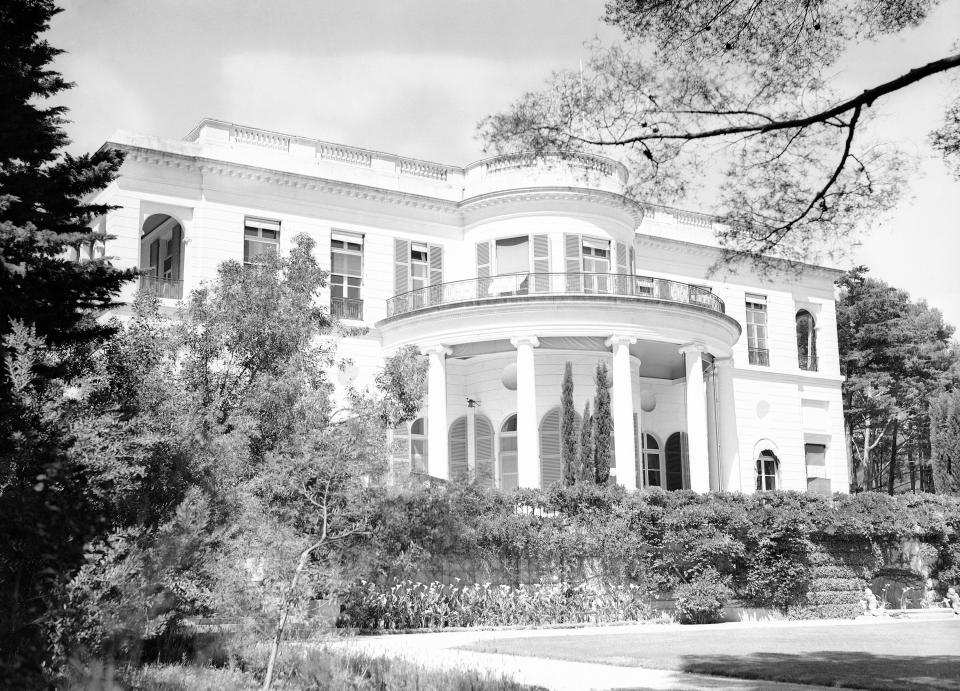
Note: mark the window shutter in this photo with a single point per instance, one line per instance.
(483, 446)
(457, 445)
(483, 259)
(541, 263)
(551, 462)
(622, 266)
(435, 253)
(633, 261)
(573, 249)
(177, 241)
(401, 266)
(636, 452)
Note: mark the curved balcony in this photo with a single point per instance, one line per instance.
(526, 170)
(522, 286)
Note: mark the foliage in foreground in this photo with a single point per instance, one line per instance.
(312, 668)
(409, 605)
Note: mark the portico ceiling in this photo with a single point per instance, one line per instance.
(658, 360)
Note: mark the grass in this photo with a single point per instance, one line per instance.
(902, 655)
(306, 668)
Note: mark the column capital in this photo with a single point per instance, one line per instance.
(620, 339)
(438, 349)
(692, 348)
(531, 341)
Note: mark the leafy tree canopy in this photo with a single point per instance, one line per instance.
(737, 90)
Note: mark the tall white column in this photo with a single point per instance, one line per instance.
(528, 438)
(438, 464)
(697, 446)
(622, 403)
(727, 426)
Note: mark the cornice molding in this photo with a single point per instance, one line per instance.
(593, 196)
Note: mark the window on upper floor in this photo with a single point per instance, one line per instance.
(261, 239)
(757, 330)
(419, 266)
(806, 341)
(346, 275)
(596, 265)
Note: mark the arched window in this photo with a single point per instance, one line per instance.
(676, 470)
(806, 341)
(767, 467)
(482, 446)
(418, 446)
(508, 453)
(650, 474)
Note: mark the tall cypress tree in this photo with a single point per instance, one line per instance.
(603, 426)
(569, 451)
(945, 442)
(47, 305)
(587, 473)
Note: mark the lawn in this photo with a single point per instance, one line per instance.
(873, 655)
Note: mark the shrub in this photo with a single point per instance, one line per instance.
(701, 601)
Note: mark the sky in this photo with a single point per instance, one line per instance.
(415, 77)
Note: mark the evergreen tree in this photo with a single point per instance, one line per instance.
(587, 473)
(603, 427)
(568, 429)
(945, 443)
(49, 501)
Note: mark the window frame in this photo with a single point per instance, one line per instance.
(658, 451)
(260, 226)
(807, 361)
(767, 481)
(758, 331)
(350, 306)
(503, 435)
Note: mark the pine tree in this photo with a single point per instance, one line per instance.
(42, 191)
(570, 453)
(945, 443)
(603, 427)
(587, 473)
(47, 332)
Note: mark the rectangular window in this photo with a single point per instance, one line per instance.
(512, 265)
(346, 275)
(261, 239)
(419, 266)
(757, 330)
(596, 263)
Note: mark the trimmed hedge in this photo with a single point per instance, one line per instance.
(806, 555)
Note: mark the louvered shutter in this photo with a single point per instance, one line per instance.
(483, 269)
(400, 453)
(457, 451)
(483, 451)
(573, 250)
(401, 266)
(622, 282)
(551, 462)
(541, 263)
(436, 274)
(633, 261)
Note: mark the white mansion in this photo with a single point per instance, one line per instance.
(502, 272)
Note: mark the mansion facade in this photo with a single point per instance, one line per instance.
(502, 272)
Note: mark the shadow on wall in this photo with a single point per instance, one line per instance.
(839, 669)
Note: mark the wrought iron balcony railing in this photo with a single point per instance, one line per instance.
(165, 288)
(346, 308)
(522, 285)
(759, 356)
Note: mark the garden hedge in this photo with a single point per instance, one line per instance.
(807, 555)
